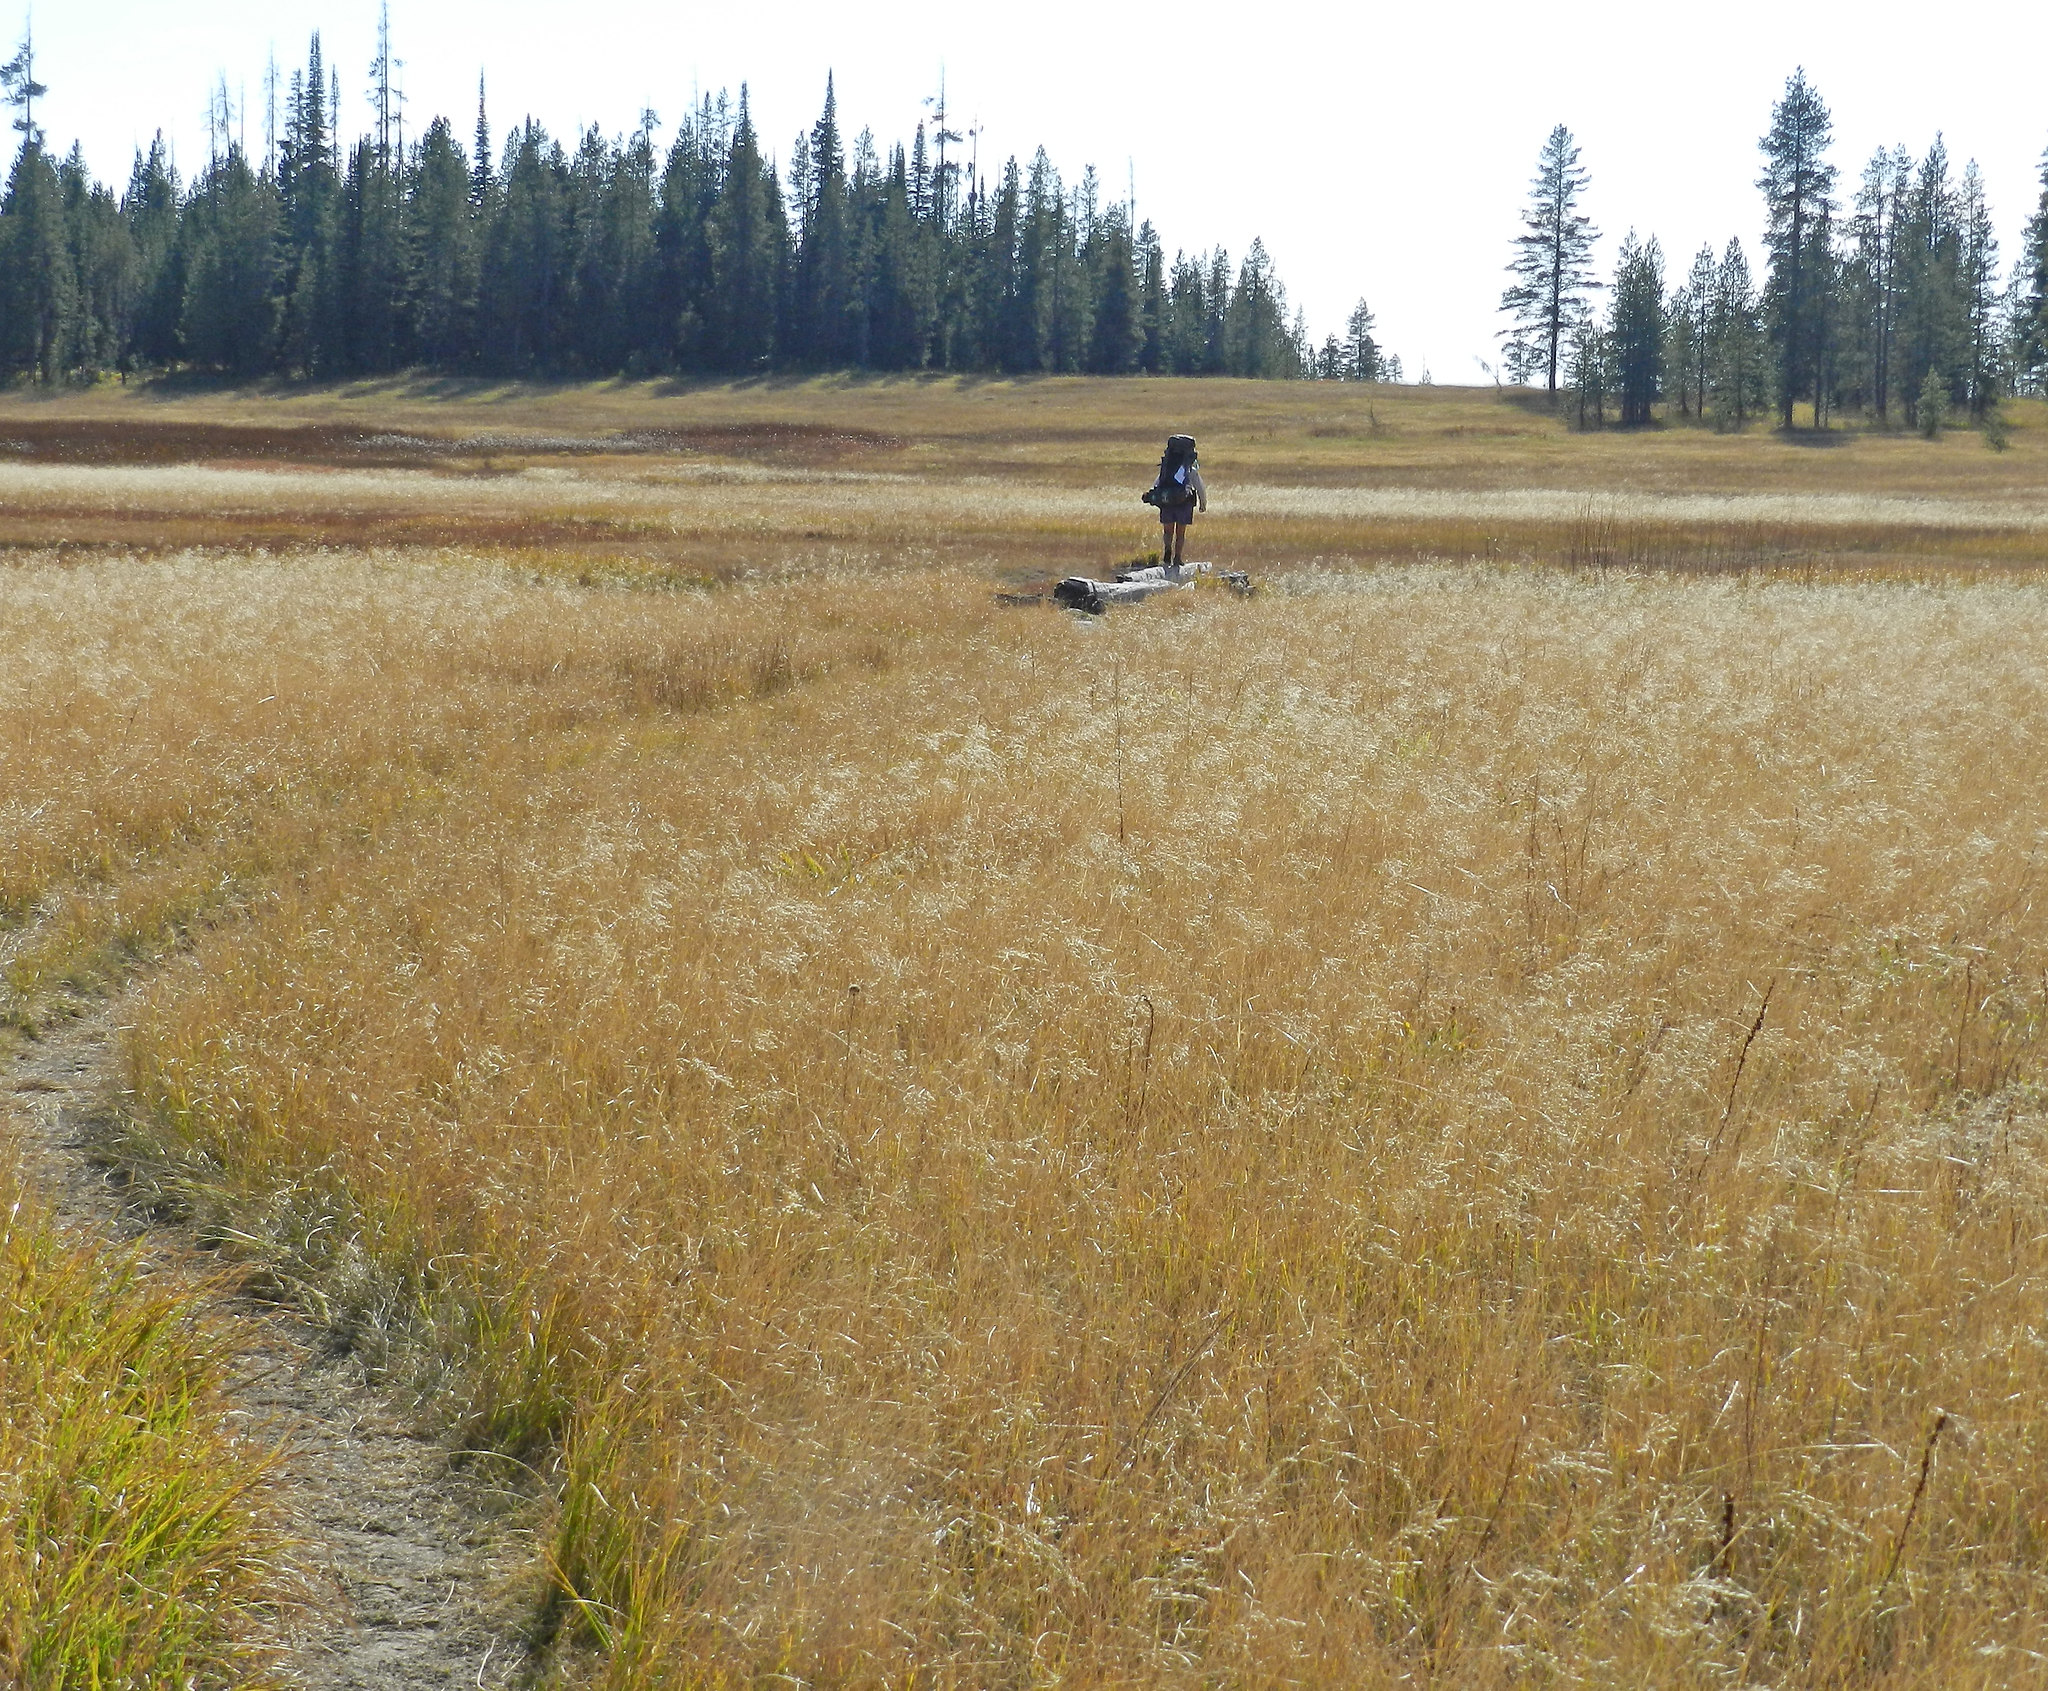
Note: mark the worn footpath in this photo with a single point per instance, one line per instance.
(400, 1547)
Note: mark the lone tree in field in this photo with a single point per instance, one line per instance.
(1552, 266)
(1798, 186)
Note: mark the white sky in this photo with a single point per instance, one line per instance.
(1383, 151)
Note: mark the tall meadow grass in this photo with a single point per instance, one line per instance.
(1459, 1125)
(138, 1546)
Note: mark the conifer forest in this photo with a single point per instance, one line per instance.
(1887, 302)
(527, 253)
(531, 254)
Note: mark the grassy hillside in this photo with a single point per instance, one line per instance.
(1461, 1119)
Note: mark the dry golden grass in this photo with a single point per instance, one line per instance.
(1281, 1195)
(1455, 1123)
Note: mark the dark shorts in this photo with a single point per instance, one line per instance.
(1170, 514)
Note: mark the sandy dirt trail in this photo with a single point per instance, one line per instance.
(402, 1554)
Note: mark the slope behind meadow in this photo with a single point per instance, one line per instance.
(1456, 1120)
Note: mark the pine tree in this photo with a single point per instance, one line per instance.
(1587, 369)
(823, 290)
(1635, 329)
(1154, 317)
(230, 320)
(442, 262)
(1933, 334)
(747, 243)
(1983, 355)
(1688, 318)
(481, 181)
(2030, 278)
(691, 182)
(1117, 284)
(1798, 188)
(21, 89)
(1216, 329)
(40, 288)
(1259, 339)
(1871, 278)
(38, 284)
(524, 282)
(1361, 360)
(1737, 345)
(365, 267)
(102, 259)
(1552, 267)
(1003, 333)
(309, 190)
(150, 208)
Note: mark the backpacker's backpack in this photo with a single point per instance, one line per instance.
(1172, 485)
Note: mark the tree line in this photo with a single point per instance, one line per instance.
(1889, 306)
(602, 255)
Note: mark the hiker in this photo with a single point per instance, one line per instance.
(1177, 493)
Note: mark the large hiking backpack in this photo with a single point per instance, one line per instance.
(1179, 457)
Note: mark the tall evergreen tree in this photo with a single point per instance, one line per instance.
(442, 242)
(1117, 284)
(2030, 329)
(39, 294)
(1188, 317)
(690, 185)
(1258, 341)
(1635, 329)
(747, 241)
(103, 262)
(1738, 360)
(481, 181)
(1798, 187)
(1216, 328)
(1153, 307)
(1688, 319)
(1588, 369)
(822, 290)
(38, 285)
(1361, 360)
(309, 189)
(230, 319)
(151, 208)
(1552, 266)
(524, 281)
(20, 87)
(1932, 330)
(1871, 278)
(1983, 352)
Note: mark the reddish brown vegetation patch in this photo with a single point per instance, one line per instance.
(141, 440)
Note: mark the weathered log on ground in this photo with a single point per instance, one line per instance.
(1084, 593)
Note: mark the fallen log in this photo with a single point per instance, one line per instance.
(1085, 593)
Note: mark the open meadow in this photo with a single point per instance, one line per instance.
(1473, 1118)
